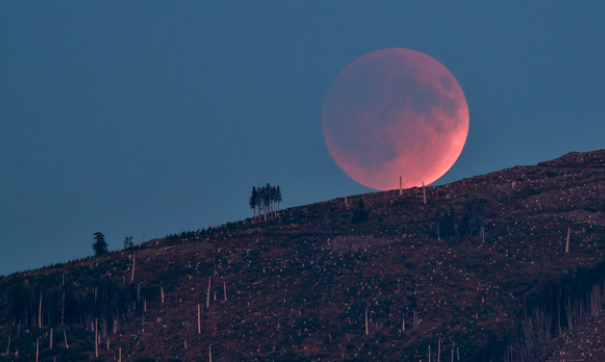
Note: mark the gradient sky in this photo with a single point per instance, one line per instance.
(147, 118)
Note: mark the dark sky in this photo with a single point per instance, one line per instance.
(147, 118)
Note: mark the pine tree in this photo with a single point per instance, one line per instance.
(273, 197)
(259, 202)
(100, 245)
(278, 197)
(267, 198)
(253, 201)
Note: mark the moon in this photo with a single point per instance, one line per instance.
(395, 113)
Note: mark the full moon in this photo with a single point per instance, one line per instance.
(395, 113)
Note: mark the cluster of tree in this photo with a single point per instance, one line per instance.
(100, 245)
(548, 315)
(111, 302)
(186, 234)
(192, 234)
(456, 225)
(266, 200)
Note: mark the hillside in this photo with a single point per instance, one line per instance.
(478, 273)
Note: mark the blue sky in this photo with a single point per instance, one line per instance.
(147, 118)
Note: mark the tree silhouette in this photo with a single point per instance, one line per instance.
(360, 214)
(253, 201)
(278, 197)
(273, 199)
(267, 199)
(128, 242)
(100, 245)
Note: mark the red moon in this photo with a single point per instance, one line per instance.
(395, 113)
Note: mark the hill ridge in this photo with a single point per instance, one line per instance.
(474, 272)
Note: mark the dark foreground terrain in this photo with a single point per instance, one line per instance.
(478, 273)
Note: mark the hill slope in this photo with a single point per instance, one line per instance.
(478, 273)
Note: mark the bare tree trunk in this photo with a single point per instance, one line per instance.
(210, 353)
(65, 336)
(225, 290)
(424, 193)
(400, 187)
(559, 317)
(568, 235)
(8, 348)
(133, 266)
(438, 232)
(208, 294)
(199, 325)
(162, 293)
(40, 311)
(367, 327)
(439, 351)
(415, 320)
(569, 315)
(63, 309)
(38, 349)
(120, 354)
(51, 338)
(96, 338)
